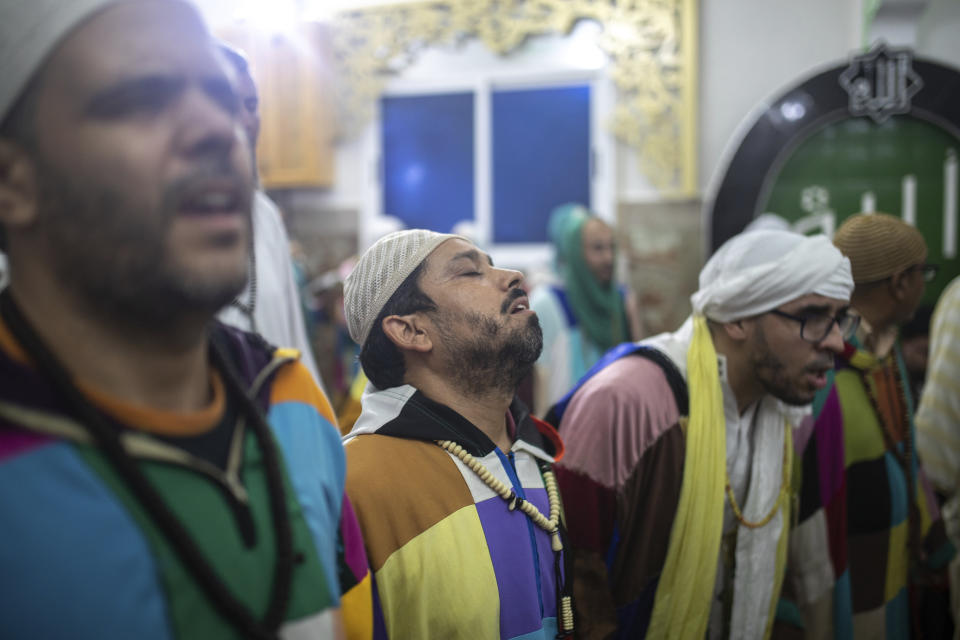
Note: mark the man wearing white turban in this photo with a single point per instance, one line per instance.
(658, 430)
(161, 475)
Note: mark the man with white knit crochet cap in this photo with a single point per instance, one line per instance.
(658, 429)
(450, 475)
(162, 475)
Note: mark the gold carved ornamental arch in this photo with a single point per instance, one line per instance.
(650, 44)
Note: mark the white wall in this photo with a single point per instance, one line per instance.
(223, 12)
(938, 32)
(752, 49)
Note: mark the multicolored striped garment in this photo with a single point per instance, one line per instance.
(568, 352)
(622, 480)
(623, 483)
(938, 421)
(81, 557)
(938, 416)
(856, 547)
(450, 559)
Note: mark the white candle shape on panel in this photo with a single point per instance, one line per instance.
(950, 205)
(868, 202)
(909, 194)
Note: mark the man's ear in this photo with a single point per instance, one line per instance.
(736, 330)
(18, 186)
(899, 285)
(407, 333)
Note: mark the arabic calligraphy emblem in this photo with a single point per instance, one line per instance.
(881, 82)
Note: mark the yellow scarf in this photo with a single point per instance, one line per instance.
(682, 605)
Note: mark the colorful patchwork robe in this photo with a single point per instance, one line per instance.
(857, 551)
(82, 559)
(450, 559)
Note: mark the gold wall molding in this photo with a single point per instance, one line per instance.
(651, 45)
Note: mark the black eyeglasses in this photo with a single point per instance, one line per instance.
(929, 271)
(816, 327)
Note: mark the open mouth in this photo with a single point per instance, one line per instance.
(519, 305)
(818, 376)
(222, 197)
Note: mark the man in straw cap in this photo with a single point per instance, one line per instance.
(161, 475)
(449, 474)
(869, 528)
(658, 429)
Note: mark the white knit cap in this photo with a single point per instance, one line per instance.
(29, 32)
(380, 272)
(757, 271)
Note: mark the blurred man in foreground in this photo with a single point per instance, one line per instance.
(938, 423)
(161, 475)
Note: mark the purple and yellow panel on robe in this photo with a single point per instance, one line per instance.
(449, 558)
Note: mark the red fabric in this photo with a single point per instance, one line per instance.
(595, 508)
(551, 434)
(836, 512)
(848, 351)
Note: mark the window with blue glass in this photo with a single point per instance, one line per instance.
(428, 159)
(541, 158)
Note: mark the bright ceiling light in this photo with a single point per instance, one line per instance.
(283, 16)
(273, 16)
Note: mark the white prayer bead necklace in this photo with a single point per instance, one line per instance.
(551, 525)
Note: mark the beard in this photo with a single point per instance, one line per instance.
(487, 356)
(770, 370)
(114, 252)
(772, 373)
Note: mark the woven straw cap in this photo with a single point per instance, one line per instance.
(380, 272)
(879, 245)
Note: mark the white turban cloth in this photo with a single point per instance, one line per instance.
(29, 32)
(757, 271)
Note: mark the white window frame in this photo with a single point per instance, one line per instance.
(602, 161)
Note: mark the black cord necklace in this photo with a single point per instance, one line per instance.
(108, 440)
(249, 308)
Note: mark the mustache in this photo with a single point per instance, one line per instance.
(820, 365)
(222, 172)
(513, 294)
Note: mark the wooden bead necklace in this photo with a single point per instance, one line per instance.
(784, 490)
(551, 525)
(889, 370)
